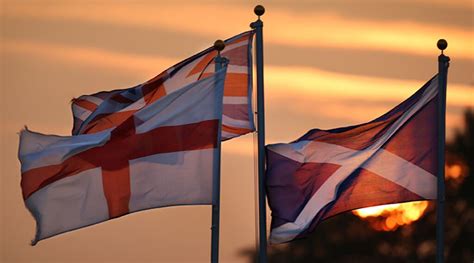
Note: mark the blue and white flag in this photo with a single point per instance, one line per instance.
(391, 159)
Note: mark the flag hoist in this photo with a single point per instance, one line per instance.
(262, 216)
(443, 64)
(221, 63)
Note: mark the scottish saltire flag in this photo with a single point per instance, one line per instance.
(391, 159)
(104, 110)
(162, 155)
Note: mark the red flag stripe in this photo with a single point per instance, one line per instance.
(121, 148)
(116, 185)
(85, 104)
(235, 130)
(113, 119)
(237, 56)
(203, 63)
(234, 87)
(235, 84)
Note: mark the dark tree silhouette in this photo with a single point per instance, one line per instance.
(347, 238)
(460, 224)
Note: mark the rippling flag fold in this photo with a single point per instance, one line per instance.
(391, 159)
(104, 110)
(163, 154)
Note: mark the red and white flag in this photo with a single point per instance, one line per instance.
(104, 110)
(164, 154)
(391, 159)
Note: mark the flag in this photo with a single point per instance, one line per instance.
(391, 159)
(164, 154)
(104, 110)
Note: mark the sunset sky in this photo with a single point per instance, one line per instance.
(327, 64)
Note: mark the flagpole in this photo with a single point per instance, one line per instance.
(262, 207)
(219, 45)
(443, 64)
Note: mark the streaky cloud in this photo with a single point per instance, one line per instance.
(286, 27)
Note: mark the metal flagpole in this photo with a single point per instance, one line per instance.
(262, 226)
(443, 64)
(219, 45)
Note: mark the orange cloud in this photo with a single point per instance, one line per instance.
(304, 81)
(282, 27)
(90, 56)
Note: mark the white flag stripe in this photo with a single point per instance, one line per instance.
(406, 174)
(80, 112)
(137, 105)
(37, 150)
(383, 163)
(230, 68)
(232, 46)
(181, 78)
(430, 92)
(234, 122)
(237, 69)
(226, 134)
(235, 100)
(324, 195)
(70, 203)
(319, 152)
(171, 178)
(93, 99)
(196, 96)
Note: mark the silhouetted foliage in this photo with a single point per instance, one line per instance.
(460, 224)
(347, 238)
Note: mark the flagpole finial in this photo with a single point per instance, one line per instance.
(259, 10)
(442, 45)
(219, 45)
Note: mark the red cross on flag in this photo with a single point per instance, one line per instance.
(162, 155)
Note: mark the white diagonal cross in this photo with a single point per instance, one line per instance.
(374, 158)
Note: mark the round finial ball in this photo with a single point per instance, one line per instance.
(219, 45)
(259, 10)
(442, 44)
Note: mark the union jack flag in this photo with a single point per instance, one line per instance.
(107, 109)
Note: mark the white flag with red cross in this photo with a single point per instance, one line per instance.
(164, 154)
